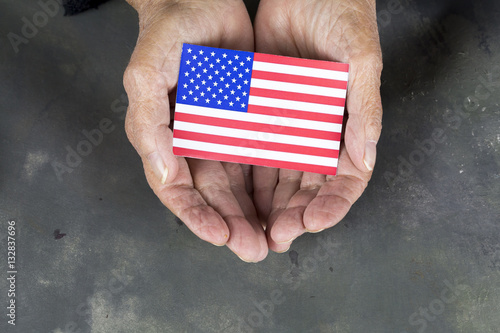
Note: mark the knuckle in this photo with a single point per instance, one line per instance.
(142, 80)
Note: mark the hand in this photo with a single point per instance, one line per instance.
(337, 30)
(209, 197)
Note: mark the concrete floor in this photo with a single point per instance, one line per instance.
(419, 252)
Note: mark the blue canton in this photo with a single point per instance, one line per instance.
(215, 78)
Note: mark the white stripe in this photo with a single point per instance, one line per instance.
(259, 118)
(299, 70)
(254, 135)
(255, 153)
(294, 105)
(298, 88)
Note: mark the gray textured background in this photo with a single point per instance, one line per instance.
(127, 264)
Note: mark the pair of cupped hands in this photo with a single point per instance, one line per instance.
(252, 209)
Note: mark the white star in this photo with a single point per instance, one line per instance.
(231, 103)
(207, 100)
(222, 78)
(193, 69)
(224, 55)
(237, 99)
(203, 82)
(230, 62)
(249, 58)
(226, 97)
(184, 97)
(189, 50)
(185, 85)
(219, 102)
(197, 87)
(235, 69)
(214, 95)
(190, 92)
(198, 76)
(240, 75)
(217, 60)
(244, 93)
(188, 62)
(216, 72)
(209, 89)
(242, 63)
(239, 87)
(201, 51)
(236, 57)
(215, 84)
(220, 91)
(194, 57)
(245, 82)
(202, 94)
(199, 64)
(205, 70)
(247, 70)
(223, 67)
(211, 65)
(210, 77)
(228, 73)
(234, 80)
(191, 81)
(206, 58)
(227, 85)
(232, 92)
(212, 54)
(242, 105)
(187, 73)
(196, 99)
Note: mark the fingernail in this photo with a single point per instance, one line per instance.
(370, 154)
(285, 250)
(287, 241)
(158, 166)
(245, 260)
(314, 231)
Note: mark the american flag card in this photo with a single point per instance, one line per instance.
(259, 109)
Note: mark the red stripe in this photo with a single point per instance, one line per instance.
(256, 144)
(313, 81)
(276, 59)
(298, 97)
(251, 126)
(252, 160)
(306, 115)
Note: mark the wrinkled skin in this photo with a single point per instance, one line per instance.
(253, 209)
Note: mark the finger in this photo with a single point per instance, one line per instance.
(148, 86)
(248, 177)
(364, 108)
(184, 201)
(288, 185)
(289, 225)
(237, 181)
(264, 183)
(212, 181)
(336, 196)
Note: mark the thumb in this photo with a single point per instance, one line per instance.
(364, 107)
(148, 119)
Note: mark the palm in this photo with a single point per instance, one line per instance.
(328, 30)
(210, 197)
